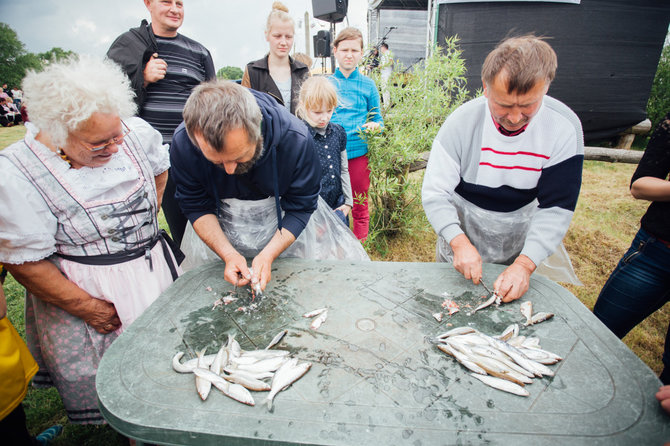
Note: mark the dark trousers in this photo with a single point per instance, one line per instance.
(175, 218)
(638, 286)
(13, 429)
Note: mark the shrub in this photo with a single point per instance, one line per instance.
(659, 98)
(420, 102)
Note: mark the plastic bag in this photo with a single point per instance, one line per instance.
(500, 236)
(250, 225)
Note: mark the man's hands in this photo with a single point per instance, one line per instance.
(154, 70)
(467, 260)
(510, 285)
(101, 315)
(663, 397)
(262, 266)
(514, 281)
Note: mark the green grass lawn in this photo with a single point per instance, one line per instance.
(605, 221)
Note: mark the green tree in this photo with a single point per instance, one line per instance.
(659, 98)
(11, 50)
(420, 101)
(54, 54)
(230, 73)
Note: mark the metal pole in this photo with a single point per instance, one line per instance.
(307, 51)
(332, 56)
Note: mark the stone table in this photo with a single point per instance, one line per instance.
(376, 377)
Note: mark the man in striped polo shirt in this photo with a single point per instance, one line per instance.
(505, 170)
(163, 66)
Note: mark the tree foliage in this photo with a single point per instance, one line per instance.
(229, 72)
(659, 98)
(420, 102)
(55, 54)
(15, 61)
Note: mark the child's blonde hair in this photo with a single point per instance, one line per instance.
(279, 12)
(316, 92)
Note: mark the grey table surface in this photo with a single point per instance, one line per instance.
(376, 377)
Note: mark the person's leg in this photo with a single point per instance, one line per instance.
(638, 286)
(13, 428)
(665, 374)
(360, 184)
(173, 215)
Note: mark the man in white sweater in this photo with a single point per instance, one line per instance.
(505, 170)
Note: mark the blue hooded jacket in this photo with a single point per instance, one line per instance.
(288, 170)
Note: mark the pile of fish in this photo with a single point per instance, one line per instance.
(235, 371)
(507, 362)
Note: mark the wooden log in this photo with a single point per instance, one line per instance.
(627, 136)
(612, 155)
(590, 153)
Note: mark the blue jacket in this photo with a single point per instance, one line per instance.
(358, 103)
(289, 170)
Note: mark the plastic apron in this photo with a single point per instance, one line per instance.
(249, 225)
(499, 237)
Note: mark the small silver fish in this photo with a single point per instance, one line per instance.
(316, 323)
(485, 304)
(276, 339)
(202, 385)
(234, 391)
(526, 309)
(286, 375)
(438, 317)
(255, 284)
(314, 312)
(247, 381)
(456, 331)
(220, 360)
(501, 384)
(539, 317)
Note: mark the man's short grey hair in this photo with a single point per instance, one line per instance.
(65, 94)
(219, 106)
(525, 61)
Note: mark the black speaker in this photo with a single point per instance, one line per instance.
(333, 11)
(322, 44)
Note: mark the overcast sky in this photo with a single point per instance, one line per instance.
(232, 30)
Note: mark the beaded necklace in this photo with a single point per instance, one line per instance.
(63, 156)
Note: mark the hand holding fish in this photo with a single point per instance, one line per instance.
(515, 280)
(467, 260)
(262, 268)
(236, 271)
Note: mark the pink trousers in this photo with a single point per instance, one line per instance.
(360, 184)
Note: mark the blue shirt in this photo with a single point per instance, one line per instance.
(358, 103)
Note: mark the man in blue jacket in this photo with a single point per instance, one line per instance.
(242, 157)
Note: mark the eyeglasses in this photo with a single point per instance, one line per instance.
(118, 140)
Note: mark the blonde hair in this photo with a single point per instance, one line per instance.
(279, 12)
(349, 33)
(316, 92)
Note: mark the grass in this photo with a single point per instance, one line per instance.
(605, 221)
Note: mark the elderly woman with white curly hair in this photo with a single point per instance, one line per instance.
(78, 222)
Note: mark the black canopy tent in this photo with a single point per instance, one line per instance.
(608, 50)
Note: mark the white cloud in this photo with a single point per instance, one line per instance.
(83, 25)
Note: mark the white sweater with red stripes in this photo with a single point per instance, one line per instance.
(471, 158)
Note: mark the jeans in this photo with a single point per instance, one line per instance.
(638, 286)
